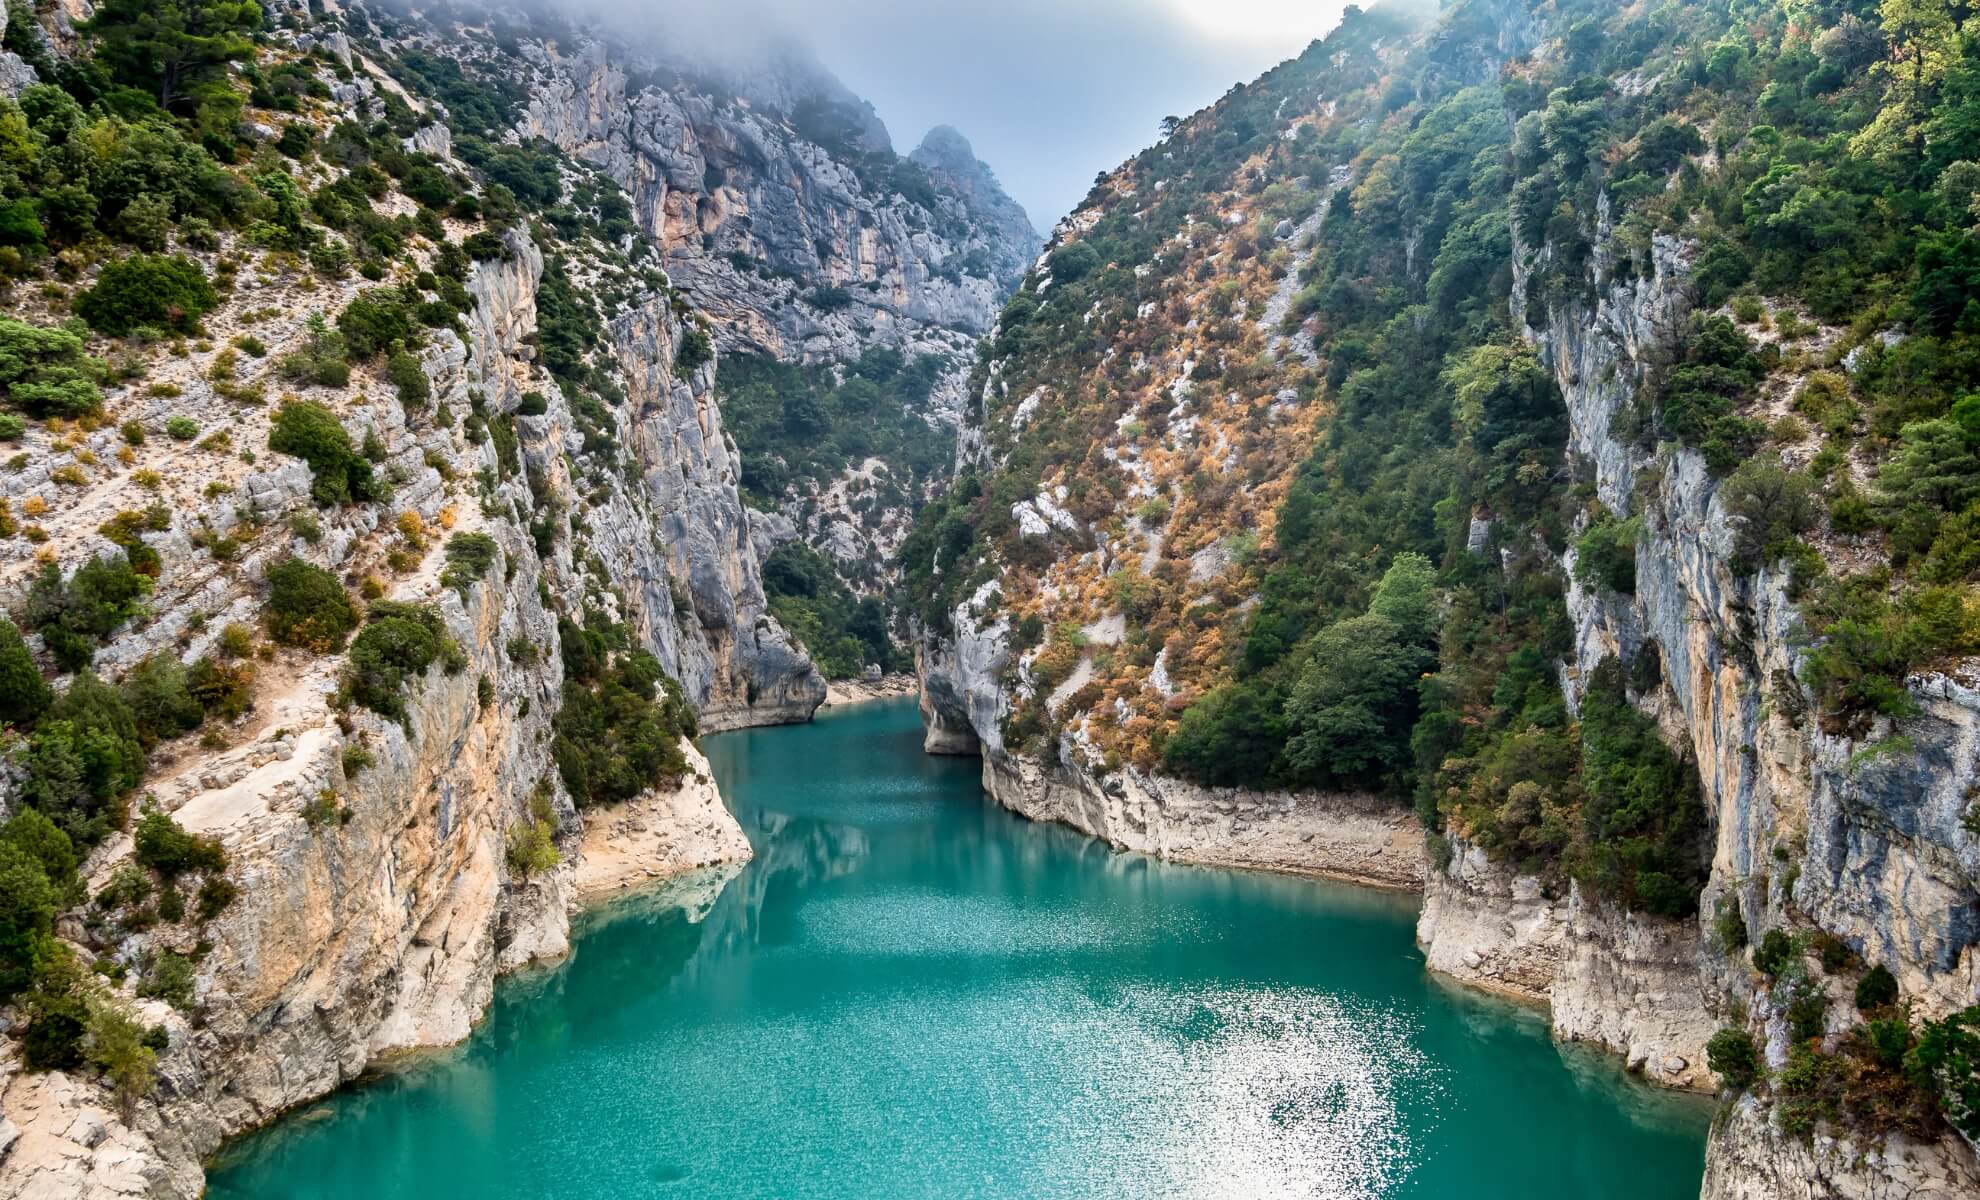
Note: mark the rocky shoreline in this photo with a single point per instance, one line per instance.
(841, 693)
(657, 837)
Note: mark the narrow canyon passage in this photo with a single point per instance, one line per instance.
(911, 992)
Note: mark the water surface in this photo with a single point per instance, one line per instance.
(912, 993)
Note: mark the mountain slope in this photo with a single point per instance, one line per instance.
(376, 545)
(1506, 417)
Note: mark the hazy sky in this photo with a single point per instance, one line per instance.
(1050, 92)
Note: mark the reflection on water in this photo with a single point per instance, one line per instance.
(910, 992)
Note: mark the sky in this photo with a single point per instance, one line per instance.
(1049, 92)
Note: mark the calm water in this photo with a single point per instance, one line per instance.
(912, 993)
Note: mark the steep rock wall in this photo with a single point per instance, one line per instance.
(719, 185)
(382, 927)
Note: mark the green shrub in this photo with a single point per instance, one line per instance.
(321, 359)
(164, 291)
(28, 903)
(160, 844)
(1732, 1057)
(409, 377)
(1730, 926)
(1946, 1063)
(83, 757)
(12, 429)
(1773, 953)
(532, 847)
(1877, 988)
(615, 736)
(24, 694)
(170, 979)
(74, 615)
(45, 373)
(696, 350)
(1605, 554)
(1642, 816)
(57, 1029)
(160, 701)
(1774, 507)
(399, 643)
(312, 433)
(182, 429)
(224, 691)
(308, 607)
(374, 320)
(469, 555)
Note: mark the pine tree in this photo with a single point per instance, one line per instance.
(174, 47)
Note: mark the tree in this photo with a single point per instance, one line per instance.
(1934, 465)
(27, 918)
(1355, 702)
(177, 48)
(308, 607)
(44, 372)
(1407, 596)
(24, 694)
(1774, 506)
(168, 291)
(1733, 1058)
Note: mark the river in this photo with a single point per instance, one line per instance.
(912, 993)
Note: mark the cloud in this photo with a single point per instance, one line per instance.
(1050, 92)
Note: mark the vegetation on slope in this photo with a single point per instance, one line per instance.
(1163, 449)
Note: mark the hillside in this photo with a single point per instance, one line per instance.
(1549, 418)
(376, 545)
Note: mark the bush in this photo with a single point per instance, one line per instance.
(1642, 817)
(82, 758)
(374, 320)
(312, 433)
(400, 642)
(308, 608)
(1946, 1063)
(1773, 952)
(24, 694)
(614, 736)
(469, 555)
(1877, 988)
(165, 291)
(697, 348)
(409, 377)
(161, 704)
(1774, 507)
(58, 1025)
(159, 843)
(1605, 554)
(45, 373)
(76, 614)
(28, 903)
(1732, 1057)
(182, 429)
(532, 847)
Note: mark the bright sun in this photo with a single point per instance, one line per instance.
(1258, 20)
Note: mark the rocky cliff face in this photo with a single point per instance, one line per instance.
(786, 218)
(784, 212)
(378, 898)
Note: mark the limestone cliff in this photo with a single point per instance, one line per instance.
(379, 891)
(788, 219)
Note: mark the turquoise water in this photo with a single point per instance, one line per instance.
(911, 993)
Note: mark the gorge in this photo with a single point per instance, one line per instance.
(1521, 454)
